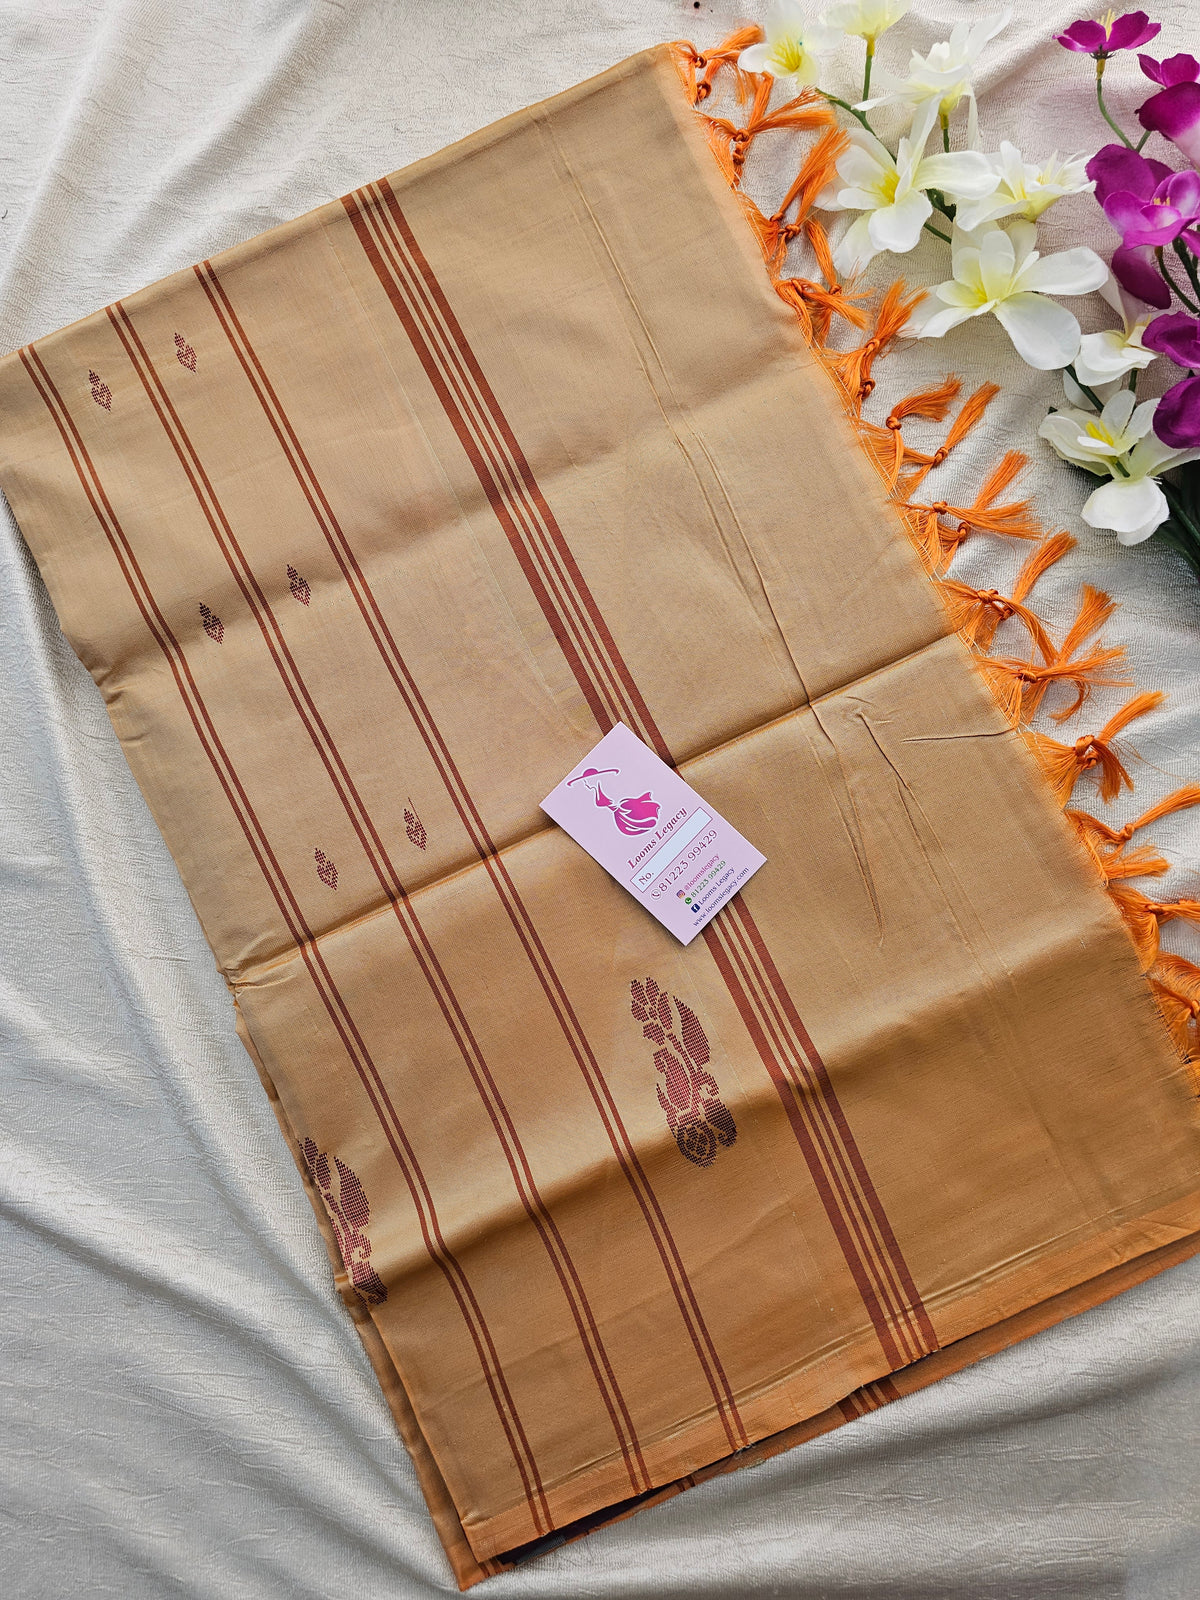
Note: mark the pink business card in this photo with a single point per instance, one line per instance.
(652, 832)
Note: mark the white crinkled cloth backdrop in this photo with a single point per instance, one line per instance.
(186, 1410)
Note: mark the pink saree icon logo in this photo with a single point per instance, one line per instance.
(635, 814)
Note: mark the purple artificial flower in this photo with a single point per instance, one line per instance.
(1116, 167)
(1171, 210)
(1175, 113)
(1095, 39)
(1175, 69)
(1177, 419)
(1176, 335)
(1119, 171)
(1135, 269)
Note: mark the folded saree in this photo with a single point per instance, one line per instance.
(367, 530)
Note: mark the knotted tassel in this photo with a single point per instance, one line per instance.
(691, 62)
(817, 172)
(766, 230)
(1110, 846)
(929, 404)
(1064, 764)
(970, 413)
(1033, 678)
(1084, 672)
(1144, 917)
(718, 143)
(834, 299)
(816, 306)
(1181, 799)
(979, 612)
(1012, 521)
(803, 113)
(854, 367)
(1095, 609)
(1142, 861)
(1176, 985)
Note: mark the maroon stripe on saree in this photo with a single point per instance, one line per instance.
(392, 887)
(469, 814)
(852, 1204)
(816, 1084)
(554, 546)
(310, 952)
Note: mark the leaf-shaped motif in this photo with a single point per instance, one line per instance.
(184, 353)
(698, 1119)
(101, 393)
(349, 1212)
(298, 586)
(695, 1040)
(213, 626)
(355, 1208)
(326, 870)
(678, 1080)
(637, 1002)
(414, 827)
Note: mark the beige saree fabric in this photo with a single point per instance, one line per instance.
(367, 530)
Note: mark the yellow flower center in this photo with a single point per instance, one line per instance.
(1107, 20)
(1097, 430)
(788, 56)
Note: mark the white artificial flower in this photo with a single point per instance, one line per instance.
(890, 191)
(866, 19)
(1023, 189)
(936, 83)
(1119, 445)
(792, 48)
(1002, 273)
(1106, 357)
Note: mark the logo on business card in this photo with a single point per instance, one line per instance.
(635, 814)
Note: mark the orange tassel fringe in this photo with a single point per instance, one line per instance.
(1144, 917)
(1176, 985)
(972, 412)
(1065, 764)
(711, 62)
(1021, 685)
(938, 528)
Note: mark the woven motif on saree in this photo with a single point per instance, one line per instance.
(368, 530)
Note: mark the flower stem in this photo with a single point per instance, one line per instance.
(937, 232)
(1178, 514)
(938, 201)
(1189, 266)
(1184, 536)
(1141, 144)
(1090, 393)
(945, 121)
(1128, 143)
(846, 106)
(1170, 281)
(867, 68)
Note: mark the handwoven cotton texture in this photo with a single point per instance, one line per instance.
(367, 530)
